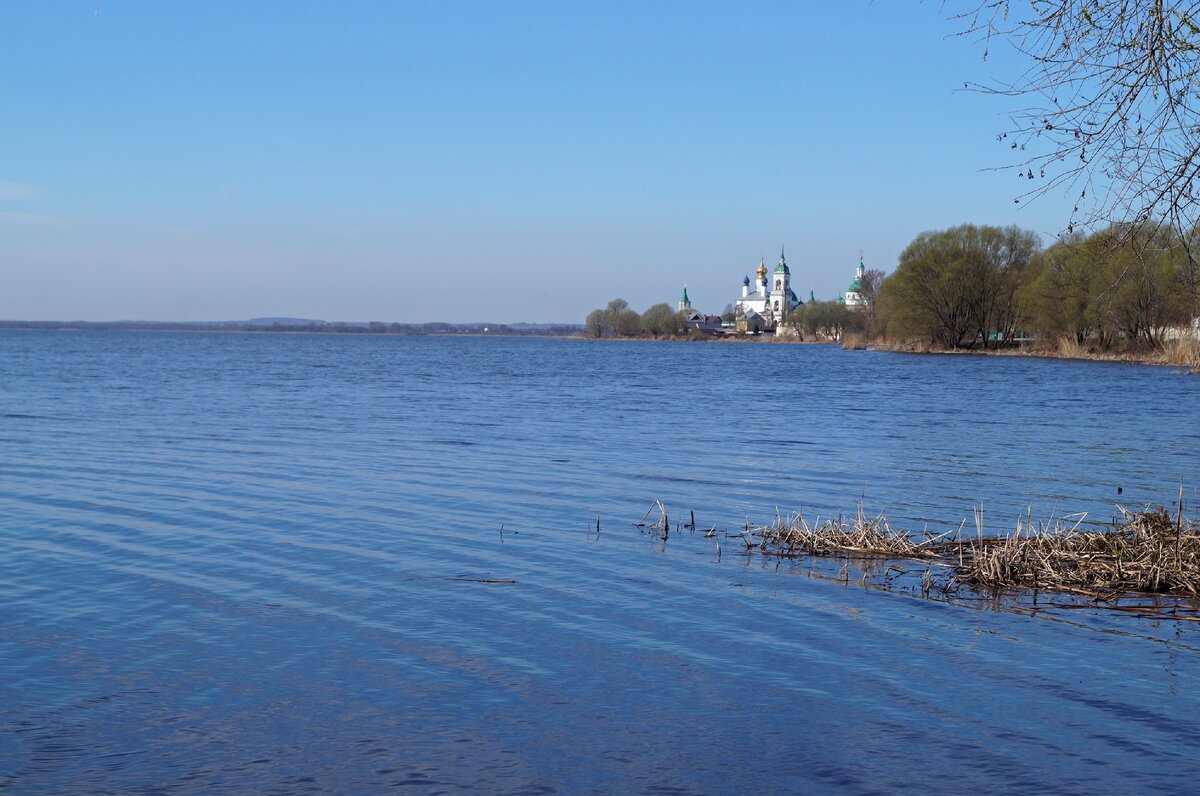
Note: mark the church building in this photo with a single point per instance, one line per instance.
(854, 292)
(771, 300)
(690, 315)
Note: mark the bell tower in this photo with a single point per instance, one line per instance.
(781, 289)
(685, 304)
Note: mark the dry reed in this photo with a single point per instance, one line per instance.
(1148, 552)
(1154, 551)
(854, 341)
(1070, 348)
(1183, 351)
(873, 536)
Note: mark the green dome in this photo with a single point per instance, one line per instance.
(782, 267)
(855, 287)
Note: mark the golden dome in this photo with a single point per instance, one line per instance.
(762, 270)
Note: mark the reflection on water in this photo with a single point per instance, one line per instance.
(256, 563)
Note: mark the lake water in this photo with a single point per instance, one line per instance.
(251, 564)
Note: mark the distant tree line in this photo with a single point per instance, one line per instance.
(830, 320)
(372, 327)
(983, 287)
(618, 320)
(825, 320)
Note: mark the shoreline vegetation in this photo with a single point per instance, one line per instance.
(1178, 352)
(1128, 293)
(1151, 552)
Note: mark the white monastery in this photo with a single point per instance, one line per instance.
(765, 303)
(771, 301)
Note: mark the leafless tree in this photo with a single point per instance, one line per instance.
(1111, 103)
(871, 280)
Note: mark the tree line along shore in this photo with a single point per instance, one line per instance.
(1127, 292)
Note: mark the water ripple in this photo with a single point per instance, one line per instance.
(259, 563)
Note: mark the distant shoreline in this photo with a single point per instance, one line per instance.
(1181, 356)
(438, 329)
(728, 338)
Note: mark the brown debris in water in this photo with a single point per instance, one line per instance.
(1154, 551)
(1149, 552)
(795, 536)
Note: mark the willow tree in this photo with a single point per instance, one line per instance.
(958, 287)
(662, 321)
(1062, 291)
(824, 320)
(615, 320)
(1151, 295)
(1126, 284)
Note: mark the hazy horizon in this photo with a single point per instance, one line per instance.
(262, 319)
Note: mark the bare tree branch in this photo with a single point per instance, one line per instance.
(1114, 103)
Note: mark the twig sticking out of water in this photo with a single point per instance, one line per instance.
(663, 522)
(481, 580)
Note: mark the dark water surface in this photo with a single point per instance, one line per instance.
(235, 563)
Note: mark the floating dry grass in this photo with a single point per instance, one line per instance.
(872, 536)
(1154, 551)
(1150, 552)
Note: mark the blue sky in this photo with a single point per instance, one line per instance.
(492, 161)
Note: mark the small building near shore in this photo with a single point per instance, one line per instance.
(750, 322)
(709, 324)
